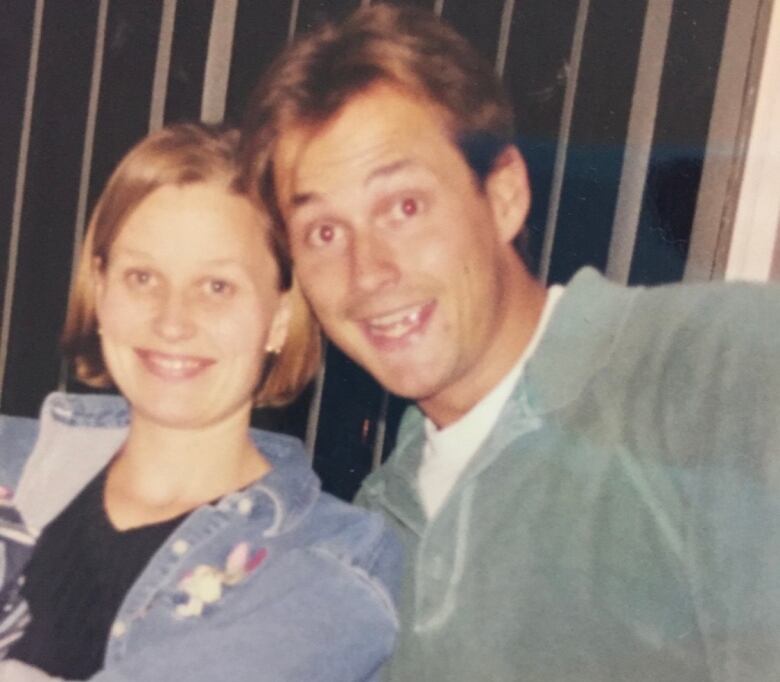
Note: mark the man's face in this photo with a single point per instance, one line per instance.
(404, 258)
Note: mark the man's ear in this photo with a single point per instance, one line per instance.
(509, 193)
(280, 326)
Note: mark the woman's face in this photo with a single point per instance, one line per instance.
(187, 304)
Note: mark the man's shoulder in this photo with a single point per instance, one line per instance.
(679, 317)
(402, 462)
(726, 324)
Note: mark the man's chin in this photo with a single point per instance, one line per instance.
(409, 384)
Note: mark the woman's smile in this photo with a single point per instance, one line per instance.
(173, 367)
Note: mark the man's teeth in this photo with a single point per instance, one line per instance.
(395, 324)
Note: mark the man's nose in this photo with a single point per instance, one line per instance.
(374, 263)
(173, 320)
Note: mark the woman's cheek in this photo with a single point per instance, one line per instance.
(239, 332)
(120, 317)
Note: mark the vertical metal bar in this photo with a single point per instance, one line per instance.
(758, 200)
(774, 274)
(639, 139)
(21, 178)
(86, 156)
(313, 421)
(563, 137)
(381, 432)
(296, 6)
(438, 7)
(219, 55)
(503, 36)
(162, 66)
(727, 139)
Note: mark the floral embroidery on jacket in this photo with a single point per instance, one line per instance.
(204, 584)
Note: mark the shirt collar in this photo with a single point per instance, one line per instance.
(468, 432)
(576, 344)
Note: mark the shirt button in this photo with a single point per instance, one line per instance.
(118, 629)
(180, 547)
(245, 506)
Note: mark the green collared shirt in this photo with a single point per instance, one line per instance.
(622, 520)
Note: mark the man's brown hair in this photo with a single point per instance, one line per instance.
(402, 46)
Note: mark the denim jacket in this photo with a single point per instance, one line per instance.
(278, 581)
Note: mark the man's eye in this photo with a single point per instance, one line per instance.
(324, 234)
(405, 208)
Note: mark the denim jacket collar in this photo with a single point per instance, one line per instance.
(96, 426)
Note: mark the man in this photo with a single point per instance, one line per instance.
(588, 488)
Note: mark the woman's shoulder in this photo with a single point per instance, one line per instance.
(355, 535)
(356, 546)
(357, 541)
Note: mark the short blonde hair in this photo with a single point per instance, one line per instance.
(181, 155)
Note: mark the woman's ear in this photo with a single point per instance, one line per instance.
(509, 193)
(280, 325)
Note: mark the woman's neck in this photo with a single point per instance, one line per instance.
(162, 472)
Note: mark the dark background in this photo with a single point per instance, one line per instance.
(576, 154)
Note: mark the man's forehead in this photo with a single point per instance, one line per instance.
(375, 132)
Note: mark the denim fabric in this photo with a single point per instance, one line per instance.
(622, 520)
(275, 582)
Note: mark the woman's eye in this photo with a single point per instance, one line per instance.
(219, 287)
(139, 279)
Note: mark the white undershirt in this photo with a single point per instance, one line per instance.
(447, 451)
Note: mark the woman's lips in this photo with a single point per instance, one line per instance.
(173, 367)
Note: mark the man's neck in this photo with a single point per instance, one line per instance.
(521, 313)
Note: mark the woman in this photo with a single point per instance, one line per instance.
(174, 544)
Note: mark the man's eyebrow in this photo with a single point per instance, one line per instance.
(389, 169)
(304, 198)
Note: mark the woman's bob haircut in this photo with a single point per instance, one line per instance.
(179, 155)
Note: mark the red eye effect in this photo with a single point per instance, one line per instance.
(409, 207)
(326, 233)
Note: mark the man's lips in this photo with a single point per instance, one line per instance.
(173, 367)
(396, 329)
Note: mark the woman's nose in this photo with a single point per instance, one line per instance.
(173, 320)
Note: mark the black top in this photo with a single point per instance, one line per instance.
(77, 578)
